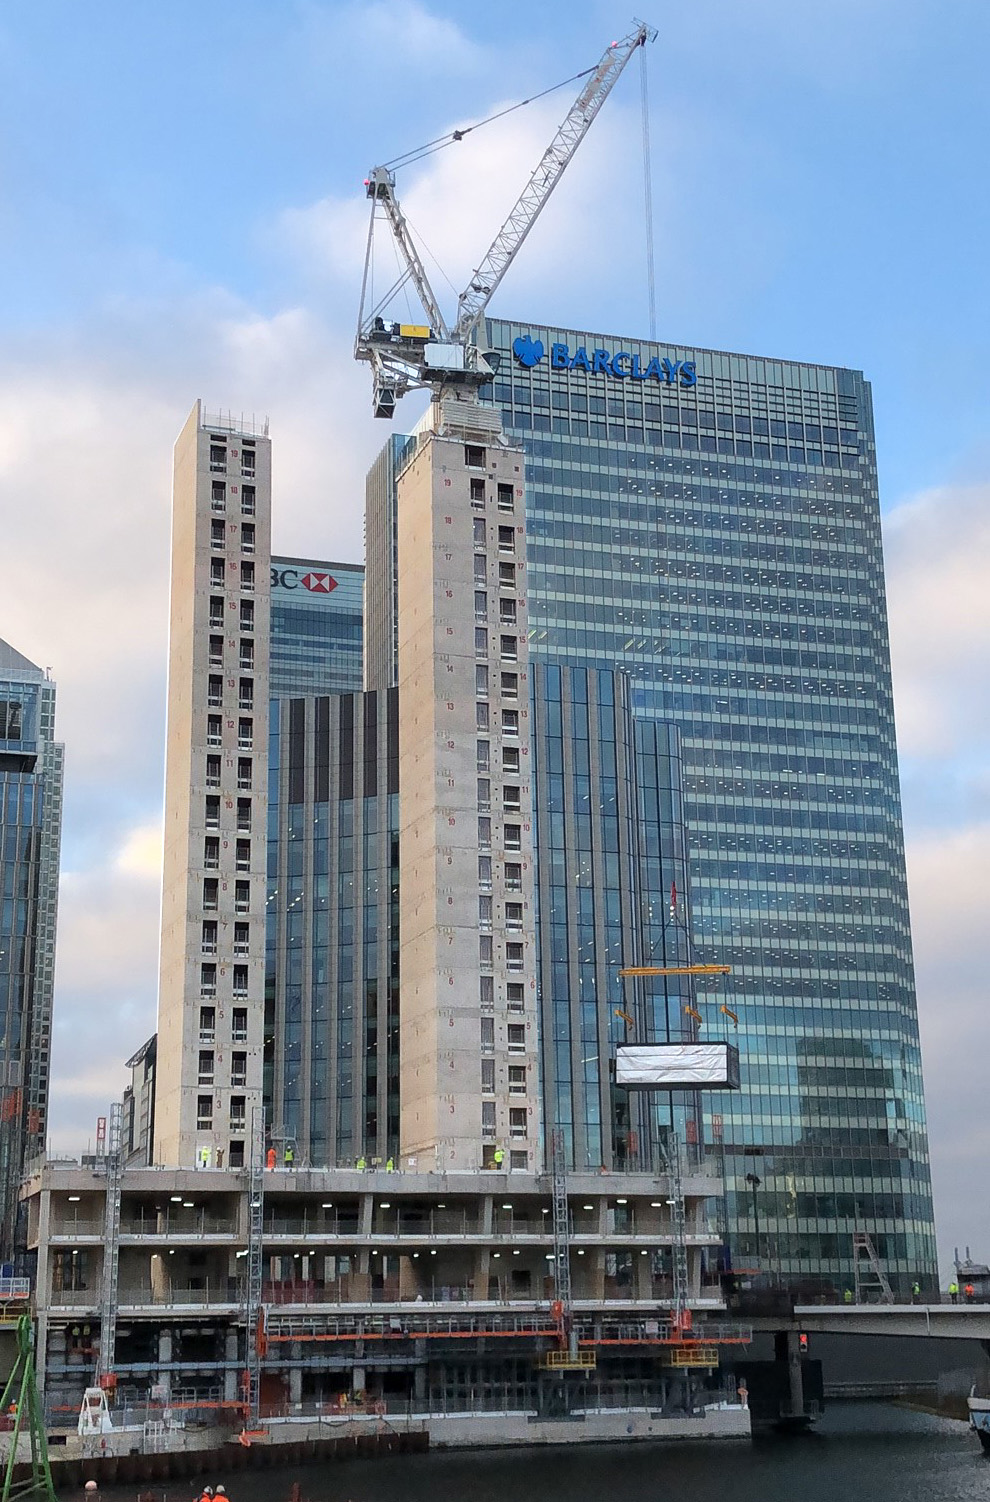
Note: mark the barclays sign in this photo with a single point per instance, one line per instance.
(621, 366)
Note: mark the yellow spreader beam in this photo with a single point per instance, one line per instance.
(676, 970)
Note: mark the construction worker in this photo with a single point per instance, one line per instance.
(361, 1163)
(969, 1292)
(270, 1158)
(498, 1158)
(390, 1165)
(289, 1155)
(953, 1293)
(847, 1297)
(916, 1293)
(221, 1491)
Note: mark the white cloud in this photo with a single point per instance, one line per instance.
(141, 853)
(105, 978)
(938, 559)
(938, 564)
(949, 877)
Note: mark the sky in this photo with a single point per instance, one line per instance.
(182, 215)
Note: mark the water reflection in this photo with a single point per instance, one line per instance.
(862, 1453)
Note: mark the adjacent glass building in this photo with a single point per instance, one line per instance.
(332, 979)
(316, 627)
(709, 523)
(331, 986)
(30, 831)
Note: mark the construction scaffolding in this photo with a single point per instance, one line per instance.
(254, 1309)
(113, 1167)
(588, 1330)
(561, 1224)
(20, 1400)
(678, 1222)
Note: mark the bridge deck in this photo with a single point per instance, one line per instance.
(946, 1321)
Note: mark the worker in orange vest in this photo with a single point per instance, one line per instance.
(969, 1292)
(270, 1158)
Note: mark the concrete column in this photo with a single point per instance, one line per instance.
(231, 1376)
(357, 1379)
(419, 1372)
(361, 1277)
(786, 1348)
(642, 1280)
(164, 1357)
(482, 1266)
(408, 1278)
(295, 1373)
(694, 1272)
(365, 1215)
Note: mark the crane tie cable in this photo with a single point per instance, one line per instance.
(439, 142)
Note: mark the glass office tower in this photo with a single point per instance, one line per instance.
(317, 622)
(331, 986)
(331, 991)
(709, 523)
(30, 834)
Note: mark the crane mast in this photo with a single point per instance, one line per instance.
(408, 356)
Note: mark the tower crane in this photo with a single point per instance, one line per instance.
(434, 354)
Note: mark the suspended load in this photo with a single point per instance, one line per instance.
(677, 1066)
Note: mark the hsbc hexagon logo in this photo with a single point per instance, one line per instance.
(316, 581)
(319, 584)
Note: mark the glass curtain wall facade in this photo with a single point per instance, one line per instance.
(709, 523)
(610, 847)
(316, 627)
(332, 997)
(31, 763)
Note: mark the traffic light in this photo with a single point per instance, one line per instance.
(803, 1345)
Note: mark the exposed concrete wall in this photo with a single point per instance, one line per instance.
(468, 1059)
(215, 794)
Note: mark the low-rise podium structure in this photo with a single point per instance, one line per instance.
(422, 1291)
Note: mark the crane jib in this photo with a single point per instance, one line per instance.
(402, 363)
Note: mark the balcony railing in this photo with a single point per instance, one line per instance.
(221, 1291)
(166, 1224)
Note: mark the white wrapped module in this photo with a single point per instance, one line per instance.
(677, 1066)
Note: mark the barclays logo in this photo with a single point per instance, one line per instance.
(527, 350)
(621, 366)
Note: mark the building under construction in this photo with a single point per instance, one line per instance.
(419, 1291)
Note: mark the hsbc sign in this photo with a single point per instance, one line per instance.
(318, 582)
